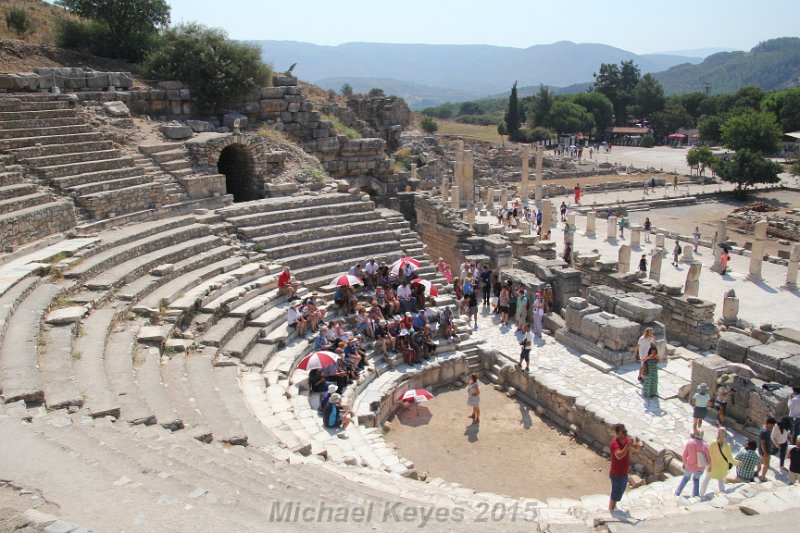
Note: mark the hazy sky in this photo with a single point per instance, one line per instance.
(640, 26)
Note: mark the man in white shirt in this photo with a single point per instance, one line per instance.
(295, 318)
(527, 342)
(371, 271)
(404, 296)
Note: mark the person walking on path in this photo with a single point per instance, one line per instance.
(526, 343)
(642, 347)
(643, 264)
(521, 315)
(700, 404)
(620, 448)
(676, 253)
(648, 227)
(503, 302)
(577, 191)
(721, 462)
(473, 309)
(696, 238)
(650, 364)
(621, 225)
(765, 447)
(780, 439)
(723, 261)
(696, 458)
(474, 399)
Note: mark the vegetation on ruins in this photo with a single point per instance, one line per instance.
(19, 21)
(347, 90)
(339, 126)
(429, 125)
(217, 69)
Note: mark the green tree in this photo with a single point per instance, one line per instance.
(429, 125)
(512, 115)
(347, 90)
(123, 17)
(599, 106)
(755, 131)
(747, 168)
(18, 21)
(691, 103)
(539, 106)
(540, 134)
(701, 155)
(649, 95)
(786, 106)
(568, 117)
(673, 117)
(710, 127)
(748, 97)
(502, 131)
(217, 69)
(618, 84)
(648, 141)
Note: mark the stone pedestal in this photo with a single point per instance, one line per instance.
(504, 197)
(636, 236)
(470, 213)
(455, 201)
(525, 228)
(692, 285)
(794, 263)
(655, 264)
(757, 251)
(611, 233)
(591, 222)
(624, 259)
(547, 216)
(730, 308)
(720, 236)
(469, 185)
(687, 256)
(445, 189)
(571, 219)
(659, 240)
(490, 199)
(413, 171)
(523, 183)
(539, 175)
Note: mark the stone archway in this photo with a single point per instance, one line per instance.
(236, 164)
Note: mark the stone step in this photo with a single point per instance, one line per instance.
(67, 182)
(213, 288)
(259, 303)
(24, 202)
(19, 376)
(28, 104)
(263, 233)
(286, 242)
(124, 235)
(110, 185)
(10, 178)
(316, 278)
(338, 260)
(26, 133)
(45, 150)
(286, 204)
(24, 142)
(11, 297)
(16, 190)
(151, 149)
(125, 272)
(259, 355)
(119, 353)
(227, 381)
(221, 332)
(71, 169)
(136, 198)
(39, 122)
(176, 389)
(148, 377)
(180, 164)
(203, 389)
(72, 157)
(301, 253)
(135, 244)
(55, 367)
(169, 155)
(283, 361)
(89, 369)
(53, 217)
(37, 115)
(313, 211)
(241, 343)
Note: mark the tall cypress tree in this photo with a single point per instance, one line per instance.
(512, 116)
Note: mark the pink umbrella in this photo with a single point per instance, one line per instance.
(346, 280)
(430, 288)
(403, 261)
(318, 360)
(417, 395)
(677, 136)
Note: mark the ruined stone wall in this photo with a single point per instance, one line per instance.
(387, 115)
(443, 235)
(691, 323)
(778, 227)
(66, 79)
(22, 227)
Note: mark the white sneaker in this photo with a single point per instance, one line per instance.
(342, 435)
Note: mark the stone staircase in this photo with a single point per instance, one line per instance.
(176, 171)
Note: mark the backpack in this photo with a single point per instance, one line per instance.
(467, 288)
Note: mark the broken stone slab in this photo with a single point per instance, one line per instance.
(229, 120)
(157, 334)
(734, 346)
(163, 270)
(200, 126)
(176, 132)
(66, 315)
(116, 109)
(638, 309)
(596, 363)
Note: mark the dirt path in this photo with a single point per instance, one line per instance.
(512, 451)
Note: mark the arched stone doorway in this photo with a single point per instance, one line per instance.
(237, 165)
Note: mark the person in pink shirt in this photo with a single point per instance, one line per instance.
(696, 458)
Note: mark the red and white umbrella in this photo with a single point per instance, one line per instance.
(346, 280)
(403, 261)
(430, 288)
(415, 395)
(318, 360)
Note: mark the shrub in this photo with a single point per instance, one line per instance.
(376, 92)
(347, 90)
(217, 69)
(97, 39)
(341, 128)
(428, 125)
(18, 21)
(648, 141)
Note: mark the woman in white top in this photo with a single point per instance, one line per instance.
(780, 438)
(474, 399)
(642, 347)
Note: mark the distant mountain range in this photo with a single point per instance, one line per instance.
(418, 71)
(427, 75)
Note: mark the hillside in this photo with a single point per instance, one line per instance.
(773, 64)
(44, 17)
(472, 69)
(417, 95)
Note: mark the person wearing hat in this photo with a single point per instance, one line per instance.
(721, 462)
(421, 320)
(407, 321)
(294, 318)
(538, 314)
(696, 458)
(404, 346)
(547, 298)
(724, 392)
(383, 339)
(700, 403)
(440, 266)
(336, 415)
(327, 396)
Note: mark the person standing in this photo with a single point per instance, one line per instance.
(621, 447)
(765, 447)
(643, 264)
(676, 253)
(723, 261)
(503, 302)
(473, 309)
(521, 315)
(486, 284)
(721, 462)
(696, 238)
(650, 364)
(780, 439)
(577, 191)
(648, 227)
(642, 347)
(696, 458)
(538, 313)
(474, 399)
(527, 342)
(794, 412)
(567, 258)
(700, 404)
(794, 462)
(723, 394)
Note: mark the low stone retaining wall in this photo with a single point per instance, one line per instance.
(66, 79)
(23, 227)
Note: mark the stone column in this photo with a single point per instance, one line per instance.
(730, 308)
(720, 236)
(571, 219)
(611, 233)
(591, 220)
(458, 167)
(687, 256)
(470, 213)
(455, 201)
(757, 251)
(523, 182)
(525, 227)
(660, 240)
(624, 259)
(490, 199)
(469, 184)
(692, 285)
(794, 264)
(539, 175)
(504, 197)
(655, 264)
(636, 236)
(547, 216)
(445, 187)
(413, 171)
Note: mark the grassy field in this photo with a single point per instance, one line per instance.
(481, 133)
